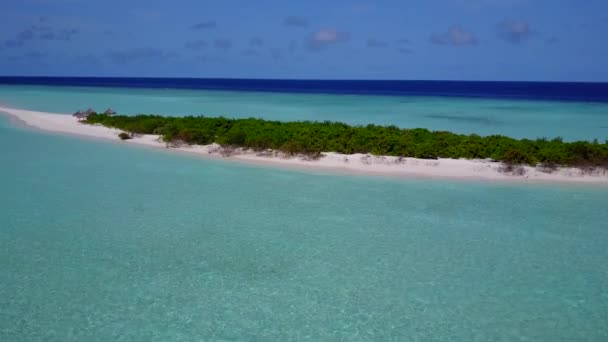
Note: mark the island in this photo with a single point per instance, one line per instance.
(370, 149)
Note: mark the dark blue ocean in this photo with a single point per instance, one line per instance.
(564, 91)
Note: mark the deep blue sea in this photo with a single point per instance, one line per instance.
(562, 91)
(105, 242)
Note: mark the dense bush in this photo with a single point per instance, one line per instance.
(314, 137)
(124, 136)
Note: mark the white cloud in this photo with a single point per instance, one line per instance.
(514, 31)
(455, 35)
(322, 38)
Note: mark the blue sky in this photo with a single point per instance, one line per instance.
(558, 40)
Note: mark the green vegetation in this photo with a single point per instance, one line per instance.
(124, 136)
(311, 138)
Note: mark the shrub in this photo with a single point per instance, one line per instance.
(312, 156)
(228, 151)
(297, 138)
(125, 136)
(547, 167)
(512, 169)
(516, 157)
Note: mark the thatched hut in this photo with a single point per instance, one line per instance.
(110, 111)
(80, 115)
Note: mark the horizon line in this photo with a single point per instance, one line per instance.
(298, 79)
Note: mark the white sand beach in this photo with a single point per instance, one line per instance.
(335, 162)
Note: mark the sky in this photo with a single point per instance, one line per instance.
(523, 40)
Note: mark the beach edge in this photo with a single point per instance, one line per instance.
(355, 164)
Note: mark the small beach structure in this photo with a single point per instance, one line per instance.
(83, 115)
(79, 115)
(109, 112)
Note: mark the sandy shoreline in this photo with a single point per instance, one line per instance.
(351, 164)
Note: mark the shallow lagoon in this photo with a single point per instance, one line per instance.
(106, 242)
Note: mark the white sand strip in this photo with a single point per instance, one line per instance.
(330, 161)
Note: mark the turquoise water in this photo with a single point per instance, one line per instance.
(103, 242)
(516, 118)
